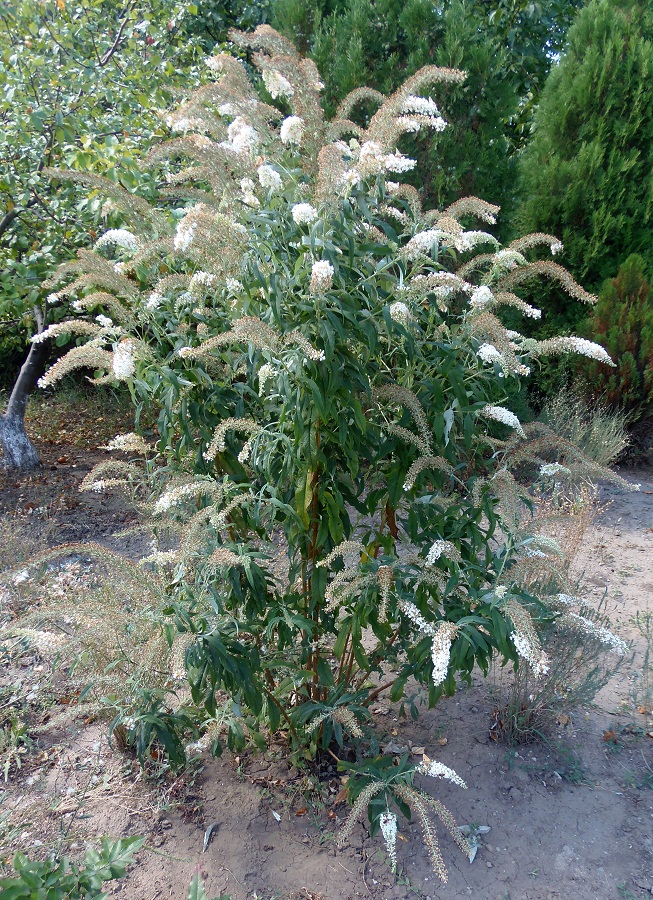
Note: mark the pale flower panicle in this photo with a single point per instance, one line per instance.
(422, 243)
(549, 470)
(118, 237)
(123, 363)
(269, 178)
(292, 130)
(128, 443)
(201, 280)
(488, 353)
(481, 297)
(388, 825)
(184, 234)
(400, 313)
(441, 650)
(505, 416)
(265, 374)
(304, 213)
(242, 137)
(277, 84)
(249, 197)
(441, 548)
(435, 769)
(573, 345)
(321, 277)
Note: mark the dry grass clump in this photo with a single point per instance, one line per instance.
(580, 661)
(95, 617)
(600, 433)
(642, 678)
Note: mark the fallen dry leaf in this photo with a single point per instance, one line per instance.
(442, 741)
(301, 812)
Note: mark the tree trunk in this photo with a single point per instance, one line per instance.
(19, 451)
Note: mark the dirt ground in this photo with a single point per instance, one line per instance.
(569, 817)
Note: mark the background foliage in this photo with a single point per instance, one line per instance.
(587, 174)
(623, 323)
(506, 48)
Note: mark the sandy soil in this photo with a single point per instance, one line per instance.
(572, 817)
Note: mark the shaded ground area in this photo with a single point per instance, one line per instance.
(569, 817)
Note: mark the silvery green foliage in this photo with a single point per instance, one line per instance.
(329, 366)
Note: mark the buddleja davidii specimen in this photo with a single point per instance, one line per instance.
(195, 237)
(324, 348)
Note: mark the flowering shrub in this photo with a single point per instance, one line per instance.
(329, 366)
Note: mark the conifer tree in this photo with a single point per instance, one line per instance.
(623, 322)
(588, 174)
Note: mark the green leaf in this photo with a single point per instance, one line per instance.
(196, 889)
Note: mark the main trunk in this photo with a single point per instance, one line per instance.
(19, 451)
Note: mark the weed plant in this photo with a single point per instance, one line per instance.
(532, 707)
